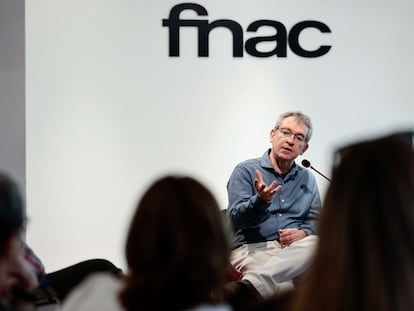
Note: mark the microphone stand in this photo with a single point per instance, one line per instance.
(307, 164)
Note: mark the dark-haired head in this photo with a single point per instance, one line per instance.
(15, 271)
(12, 216)
(177, 249)
(365, 259)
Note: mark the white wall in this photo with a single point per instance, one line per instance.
(108, 110)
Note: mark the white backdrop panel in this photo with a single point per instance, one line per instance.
(108, 110)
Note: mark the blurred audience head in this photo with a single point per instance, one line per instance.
(365, 258)
(15, 272)
(177, 249)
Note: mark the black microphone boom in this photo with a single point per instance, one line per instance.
(307, 164)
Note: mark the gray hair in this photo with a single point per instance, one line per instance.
(300, 118)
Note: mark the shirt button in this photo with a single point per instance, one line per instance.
(279, 214)
(283, 200)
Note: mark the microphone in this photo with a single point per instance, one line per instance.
(307, 164)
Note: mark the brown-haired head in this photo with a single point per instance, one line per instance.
(365, 258)
(177, 248)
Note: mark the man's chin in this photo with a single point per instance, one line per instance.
(286, 156)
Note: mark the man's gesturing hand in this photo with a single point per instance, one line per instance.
(265, 192)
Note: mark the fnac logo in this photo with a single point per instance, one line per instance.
(282, 38)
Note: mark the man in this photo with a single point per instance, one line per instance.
(17, 278)
(274, 205)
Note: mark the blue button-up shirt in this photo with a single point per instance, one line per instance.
(296, 205)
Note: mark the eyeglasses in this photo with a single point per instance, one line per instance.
(288, 133)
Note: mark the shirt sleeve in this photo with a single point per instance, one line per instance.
(245, 208)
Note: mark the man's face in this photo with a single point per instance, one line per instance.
(288, 141)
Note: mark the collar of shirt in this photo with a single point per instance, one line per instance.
(266, 164)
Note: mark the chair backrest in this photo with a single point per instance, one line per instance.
(227, 223)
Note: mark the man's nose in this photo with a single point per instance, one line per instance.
(291, 139)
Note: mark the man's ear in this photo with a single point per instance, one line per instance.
(304, 149)
(271, 135)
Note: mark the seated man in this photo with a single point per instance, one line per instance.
(274, 205)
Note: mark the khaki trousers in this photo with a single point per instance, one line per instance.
(271, 267)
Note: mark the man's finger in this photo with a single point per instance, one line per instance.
(274, 190)
(259, 176)
(277, 189)
(262, 188)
